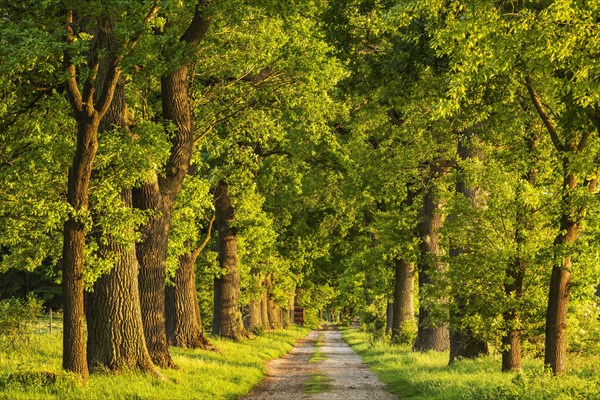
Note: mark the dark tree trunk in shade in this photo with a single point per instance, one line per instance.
(285, 318)
(389, 316)
(463, 343)
(184, 323)
(227, 287)
(432, 334)
(159, 195)
(404, 309)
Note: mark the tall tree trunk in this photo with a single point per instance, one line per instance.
(152, 255)
(389, 317)
(404, 309)
(160, 195)
(273, 310)
(560, 282)
(254, 315)
(184, 323)
(88, 111)
(463, 343)
(274, 313)
(431, 334)
(115, 330)
(568, 147)
(227, 287)
(264, 313)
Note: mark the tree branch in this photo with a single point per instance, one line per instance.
(196, 252)
(583, 141)
(73, 93)
(198, 28)
(595, 117)
(543, 115)
(108, 93)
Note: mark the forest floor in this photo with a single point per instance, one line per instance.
(321, 366)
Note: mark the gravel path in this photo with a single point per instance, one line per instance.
(345, 375)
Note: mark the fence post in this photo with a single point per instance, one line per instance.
(51, 321)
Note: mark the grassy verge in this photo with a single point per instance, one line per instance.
(427, 375)
(35, 372)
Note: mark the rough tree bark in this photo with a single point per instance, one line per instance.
(159, 195)
(227, 287)
(88, 111)
(403, 307)
(463, 343)
(254, 315)
(115, 331)
(431, 335)
(183, 319)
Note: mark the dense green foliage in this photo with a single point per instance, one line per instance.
(335, 125)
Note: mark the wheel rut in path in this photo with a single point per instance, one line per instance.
(340, 373)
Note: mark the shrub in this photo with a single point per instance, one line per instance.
(16, 319)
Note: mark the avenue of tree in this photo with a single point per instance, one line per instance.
(430, 166)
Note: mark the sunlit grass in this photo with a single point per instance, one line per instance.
(413, 375)
(36, 373)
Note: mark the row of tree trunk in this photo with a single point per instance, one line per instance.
(126, 310)
(264, 312)
(434, 332)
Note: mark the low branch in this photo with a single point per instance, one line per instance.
(108, 93)
(550, 126)
(196, 252)
(73, 93)
(583, 141)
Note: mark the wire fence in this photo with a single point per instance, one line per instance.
(48, 323)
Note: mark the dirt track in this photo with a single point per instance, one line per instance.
(345, 375)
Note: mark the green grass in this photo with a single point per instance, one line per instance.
(317, 355)
(427, 375)
(35, 372)
(317, 383)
